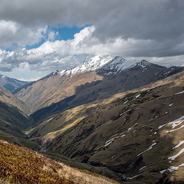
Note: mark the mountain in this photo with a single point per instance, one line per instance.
(97, 78)
(13, 119)
(11, 84)
(8, 98)
(137, 134)
(21, 165)
(12, 122)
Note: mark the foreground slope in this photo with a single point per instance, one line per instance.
(21, 165)
(97, 78)
(137, 134)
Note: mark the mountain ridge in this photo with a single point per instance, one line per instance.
(96, 63)
(11, 84)
(97, 78)
(8, 98)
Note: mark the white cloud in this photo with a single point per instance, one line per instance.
(61, 54)
(29, 80)
(8, 26)
(13, 34)
(52, 35)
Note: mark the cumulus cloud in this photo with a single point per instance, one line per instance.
(50, 55)
(60, 54)
(13, 34)
(52, 35)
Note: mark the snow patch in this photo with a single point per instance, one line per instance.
(123, 135)
(151, 147)
(125, 102)
(177, 155)
(175, 168)
(121, 114)
(178, 145)
(161, 126)
(142, 168)
(175, 129)
(109, 142)
(181, 92)
(131, 178)
(132, 127)
(171, 104)
(138, 96)
(177, 122)
(174, 124)
(163, 171)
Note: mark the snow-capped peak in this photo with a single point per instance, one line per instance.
(90, 64)
(106, 63)
(118, 64)
(142, 64)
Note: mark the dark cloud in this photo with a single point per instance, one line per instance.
(140, 19)
(156, 26)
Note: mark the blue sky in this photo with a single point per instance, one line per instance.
(62, 33)
(37, 37)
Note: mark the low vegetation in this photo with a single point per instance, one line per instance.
(21, 165)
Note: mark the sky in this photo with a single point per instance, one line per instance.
(37, 37)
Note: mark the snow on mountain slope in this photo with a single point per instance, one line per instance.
(90, 64)
(98, 62)
(118, 64)
(142, 64)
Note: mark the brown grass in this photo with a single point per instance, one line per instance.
(3, 181)
(83, 177)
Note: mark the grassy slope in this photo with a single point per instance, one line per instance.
(12, 125)
(53, 89)
(21, 165)
(8, 98)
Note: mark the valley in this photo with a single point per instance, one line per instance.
(120, 119)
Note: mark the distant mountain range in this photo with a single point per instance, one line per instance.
(10, 84)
